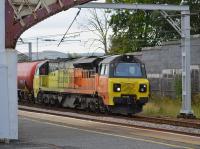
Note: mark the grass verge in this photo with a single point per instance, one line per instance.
(167, 107)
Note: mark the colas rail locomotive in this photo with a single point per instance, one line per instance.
(117, 84)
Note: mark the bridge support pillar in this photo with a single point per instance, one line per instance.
(8, 85)
(8, 95)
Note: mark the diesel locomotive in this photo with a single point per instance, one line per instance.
(116, 84)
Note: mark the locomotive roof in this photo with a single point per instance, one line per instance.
(87, 62)
(61, 60)
(84, 60)
(110, 59)
(120, 58)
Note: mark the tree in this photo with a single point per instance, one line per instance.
(136, 29)
(98, 23)
(195, 17)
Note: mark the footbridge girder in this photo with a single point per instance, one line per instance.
(20, 15)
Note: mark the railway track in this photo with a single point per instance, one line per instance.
(193, 123)
(161, 124)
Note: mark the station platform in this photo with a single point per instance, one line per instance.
(43, 131)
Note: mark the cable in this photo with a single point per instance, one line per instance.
(69, 27)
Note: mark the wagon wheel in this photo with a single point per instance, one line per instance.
(30, 98)
(19, 97)
(25, 97)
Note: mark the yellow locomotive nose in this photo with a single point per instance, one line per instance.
(121, 88)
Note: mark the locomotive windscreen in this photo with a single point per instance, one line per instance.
(128, 70)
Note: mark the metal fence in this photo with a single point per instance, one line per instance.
(169, 82)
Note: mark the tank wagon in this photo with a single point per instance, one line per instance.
(25, 76)
(117, 84)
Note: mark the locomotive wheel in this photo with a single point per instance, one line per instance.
(39, 99)
(58, 103)
(52, 101)
(92, 106)
(46, 100)
(102, 107)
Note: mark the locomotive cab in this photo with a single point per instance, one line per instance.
(122, 83)
(40, 77)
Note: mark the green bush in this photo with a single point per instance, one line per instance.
(196, 104)
(178, 86)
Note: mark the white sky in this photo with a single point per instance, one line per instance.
(58, 24)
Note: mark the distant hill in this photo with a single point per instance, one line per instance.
(53, 55)
(49, 55)
(21, 57)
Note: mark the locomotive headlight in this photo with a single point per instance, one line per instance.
(117, 87)
(143, 88)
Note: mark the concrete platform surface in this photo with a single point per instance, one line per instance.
(37, 133)
(26, 145)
